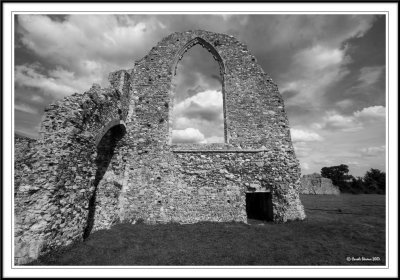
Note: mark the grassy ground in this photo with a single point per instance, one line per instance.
(337, 227)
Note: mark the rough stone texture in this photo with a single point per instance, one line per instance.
(23, 147)
(316, 184)
(105, 156)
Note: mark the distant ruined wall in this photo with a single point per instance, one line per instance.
(106, 156)
(316, 184)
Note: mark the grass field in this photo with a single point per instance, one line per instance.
(336, 228)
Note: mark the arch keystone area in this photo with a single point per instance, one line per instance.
(144, 172)
(109, 125)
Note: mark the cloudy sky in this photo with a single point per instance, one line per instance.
(330, 70)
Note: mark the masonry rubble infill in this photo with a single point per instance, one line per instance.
(105, 156)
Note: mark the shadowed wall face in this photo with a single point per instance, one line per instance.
(105, 152)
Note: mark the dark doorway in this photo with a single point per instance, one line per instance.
(259, 206)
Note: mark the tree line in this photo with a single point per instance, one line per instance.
(374, 180)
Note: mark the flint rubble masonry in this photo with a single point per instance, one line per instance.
(73, 183)
(316, 184)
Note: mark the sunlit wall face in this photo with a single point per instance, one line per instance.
(197, 113)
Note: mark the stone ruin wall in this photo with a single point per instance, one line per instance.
(105, 156)
(54, 185)
(316, 184)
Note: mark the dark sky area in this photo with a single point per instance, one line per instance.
(330, 70)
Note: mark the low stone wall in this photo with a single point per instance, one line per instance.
(316, 184)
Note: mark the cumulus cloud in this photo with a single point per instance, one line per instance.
(203, 112)
(299, 135)
(58, 82)
(81, 50)
(355, 122)
(107, 38)
(188, 135)
(336, 121)
(371, 113)
(204, 105)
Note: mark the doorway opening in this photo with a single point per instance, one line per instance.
(259, 206)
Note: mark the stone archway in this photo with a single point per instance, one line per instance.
(106, 142)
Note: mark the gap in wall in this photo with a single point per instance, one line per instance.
(197, 112)
(259, 206)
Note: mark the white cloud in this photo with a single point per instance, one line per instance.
(89, 46)
(299, 135)
(319, 58)
(356, 121)
(373, 151)
(188, 135)
(334, 120)
(312, 71)
(58, 82)
(202, 112)
(209, 99)
(373, 112)
(104, 37)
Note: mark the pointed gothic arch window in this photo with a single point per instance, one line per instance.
(197, 113)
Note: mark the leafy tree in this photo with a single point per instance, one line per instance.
(339, 176)
(357, 185)
(375, 181)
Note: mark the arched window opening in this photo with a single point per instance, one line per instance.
(197, 115)
(105, 152)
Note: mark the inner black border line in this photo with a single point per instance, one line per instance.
(14, 13)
